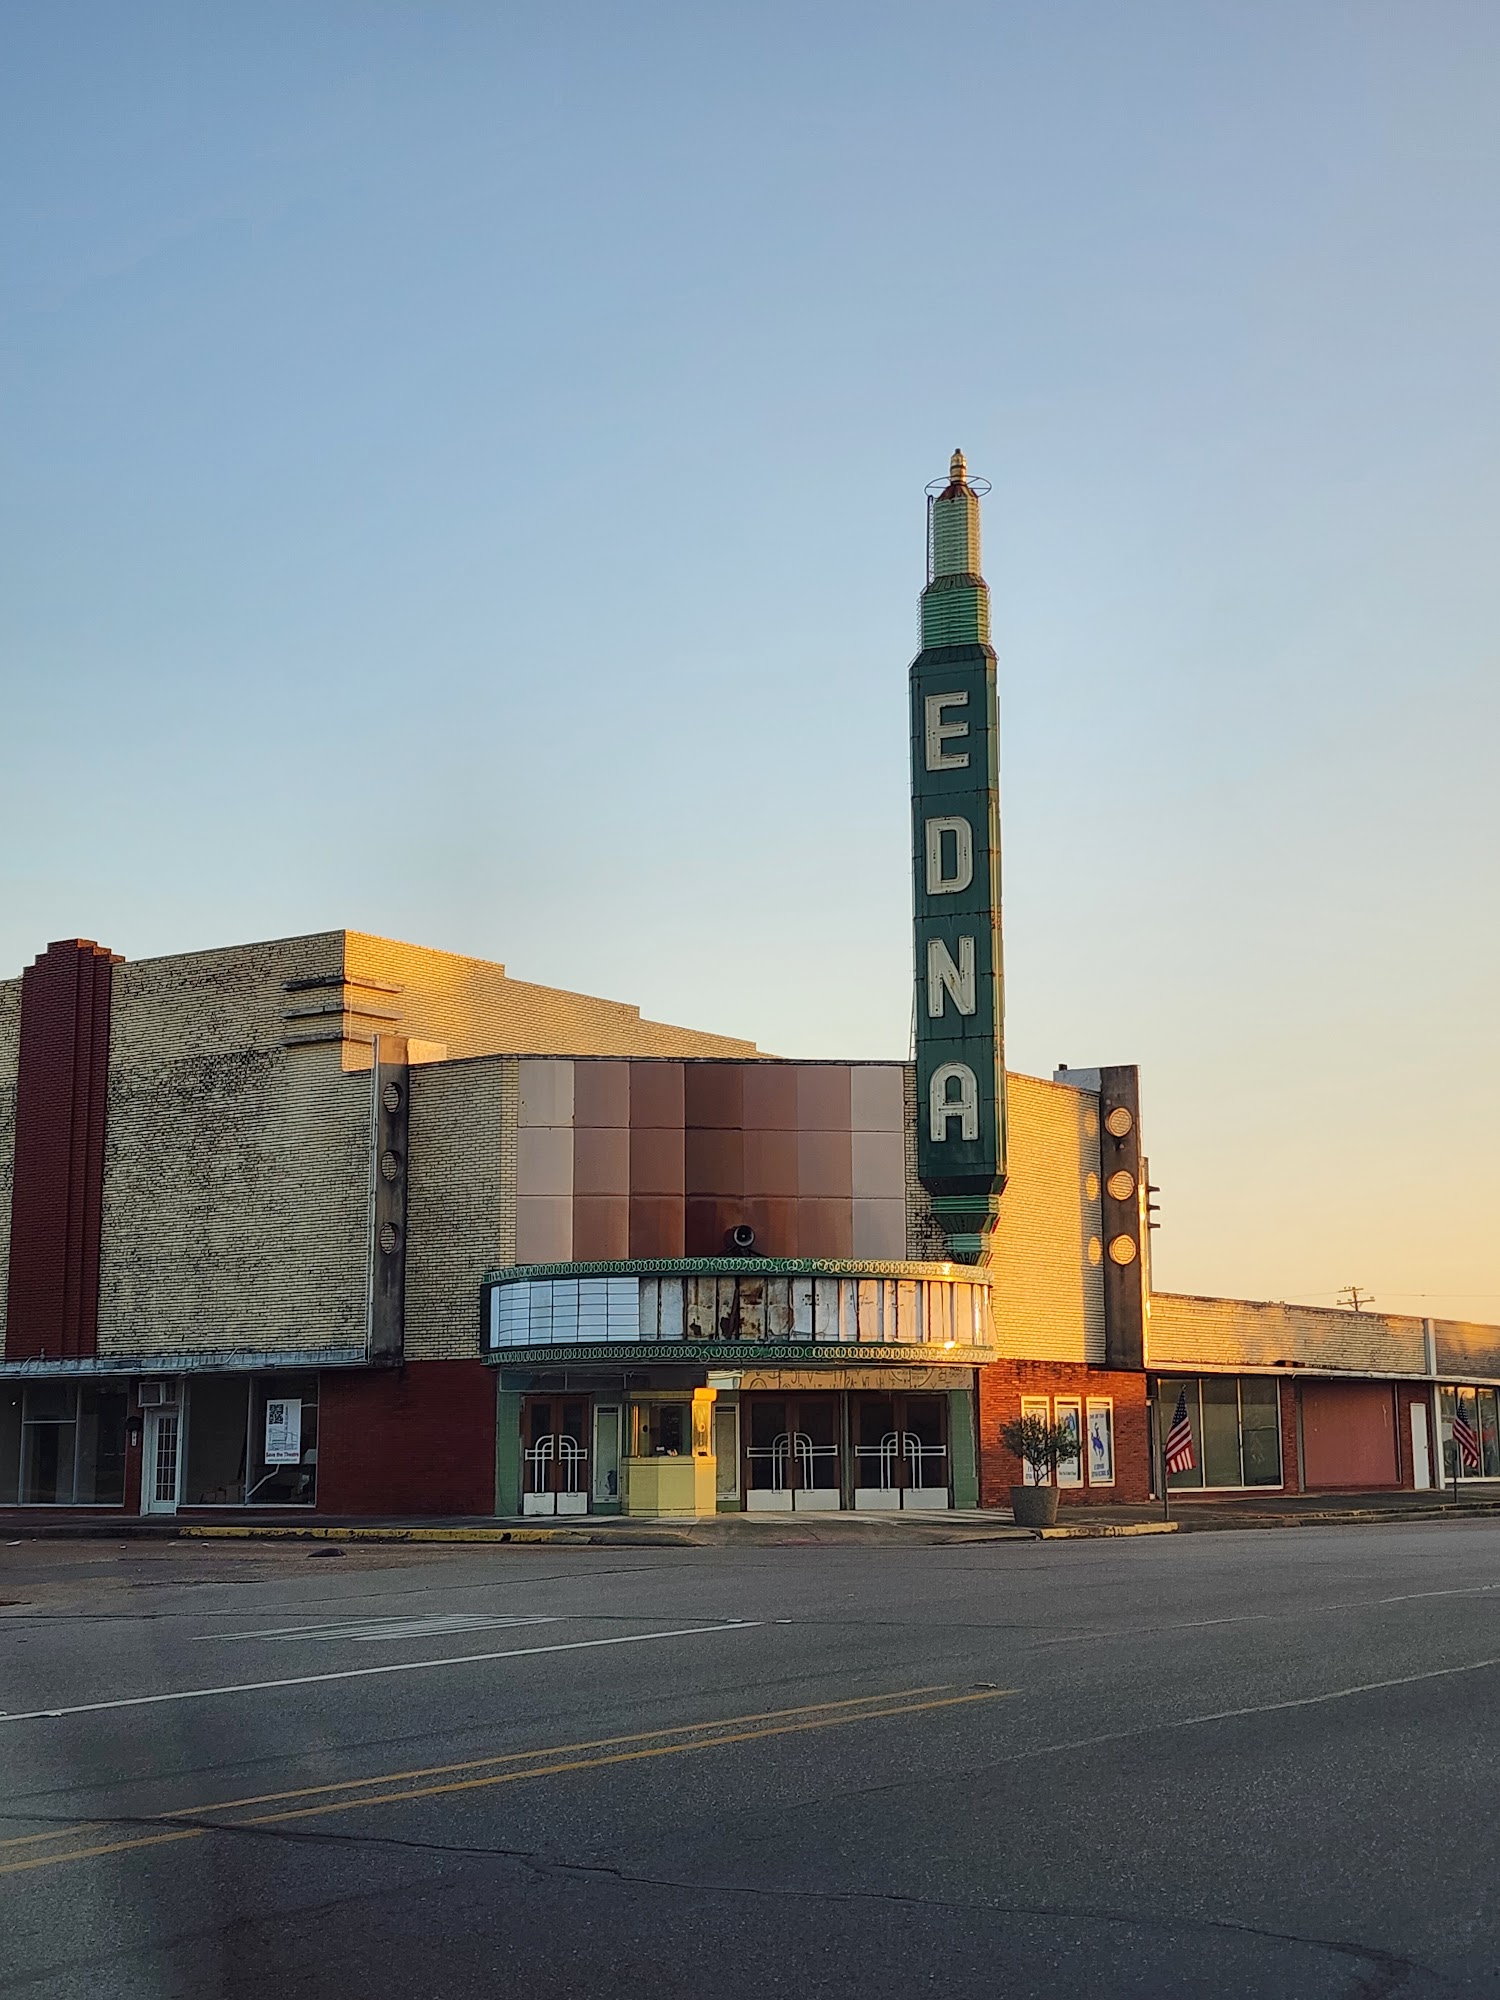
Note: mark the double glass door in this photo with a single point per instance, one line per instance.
(792, 1454)
(900, 1452)
(555, 1438)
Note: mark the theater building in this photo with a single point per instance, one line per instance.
(336, 1226)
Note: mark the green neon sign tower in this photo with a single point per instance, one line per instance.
(960, 983)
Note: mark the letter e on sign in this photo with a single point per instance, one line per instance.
(937, 732)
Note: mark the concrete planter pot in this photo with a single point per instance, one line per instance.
(1034, 1506)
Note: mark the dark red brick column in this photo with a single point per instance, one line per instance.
(61, 1087)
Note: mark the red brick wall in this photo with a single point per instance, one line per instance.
(1002, 1384)
(415, 1440)
(61, 1084)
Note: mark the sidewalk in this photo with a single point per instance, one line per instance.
(915, 1530)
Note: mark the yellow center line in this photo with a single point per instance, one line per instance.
(619, 1757)
(827, 1718)
(483, 1763)
(555, 1750)
(59, 1833)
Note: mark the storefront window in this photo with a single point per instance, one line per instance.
(1478, 1409)
(1221, 1430)
(283, 1443)
(1236, 1425)
(1260, 1430)
(10, 1443)
(1489, 1434)
(660, 1430)
(217, 1440)
(1170, 1391)
(62, 1444)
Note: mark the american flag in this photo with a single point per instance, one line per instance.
(1467, 1442)
(1180, 1439)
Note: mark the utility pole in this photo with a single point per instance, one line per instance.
(1355, 1299)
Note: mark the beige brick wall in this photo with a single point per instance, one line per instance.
(236, 1171)
(925, 1241)
(1187, 1332)
(236, 1176)
(10, 1051)
(1045, 1251)
(1466, 1349)
(476, 1009)
(460, 1199)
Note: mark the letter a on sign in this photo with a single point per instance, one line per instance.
(964, 1107)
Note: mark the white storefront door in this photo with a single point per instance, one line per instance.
(1421, 1464)
(161, 1462)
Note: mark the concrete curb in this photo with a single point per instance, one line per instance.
(553, 1537)
(613, 1538)
(1109, 1529)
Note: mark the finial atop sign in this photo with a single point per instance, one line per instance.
(958, 472)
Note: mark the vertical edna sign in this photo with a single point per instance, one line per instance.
(955, 764)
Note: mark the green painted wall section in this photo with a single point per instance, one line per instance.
(507, 1453)
(961, 1448)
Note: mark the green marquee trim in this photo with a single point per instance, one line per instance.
(739, 1354)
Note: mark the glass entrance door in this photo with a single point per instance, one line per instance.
(161, 1462)
(791, 1454)
(900, 1452)
(555, 1434)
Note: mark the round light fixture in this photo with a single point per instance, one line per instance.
(1122, 1250)
(1121, 1185)
(1119, 1122)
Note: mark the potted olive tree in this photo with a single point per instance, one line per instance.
(1043, 1446)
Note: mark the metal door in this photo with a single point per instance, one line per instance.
(556, 1438)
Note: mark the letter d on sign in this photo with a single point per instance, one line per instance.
(939, 881)
(942, 1108)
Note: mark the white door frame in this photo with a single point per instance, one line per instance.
(1421, 1454)
(151, 1441)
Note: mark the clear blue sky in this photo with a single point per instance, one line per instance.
(462, 479)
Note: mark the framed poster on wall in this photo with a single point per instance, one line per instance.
(1069, 1412)
(1033, 1406)
(283, 1430)
(1101, 1435)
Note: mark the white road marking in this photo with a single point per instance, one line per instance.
(1169, 1723)
(363, 1630)
(362, 1673)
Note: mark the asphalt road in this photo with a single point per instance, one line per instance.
(1228, 1764)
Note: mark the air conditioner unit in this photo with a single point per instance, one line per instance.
(155, 1395)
